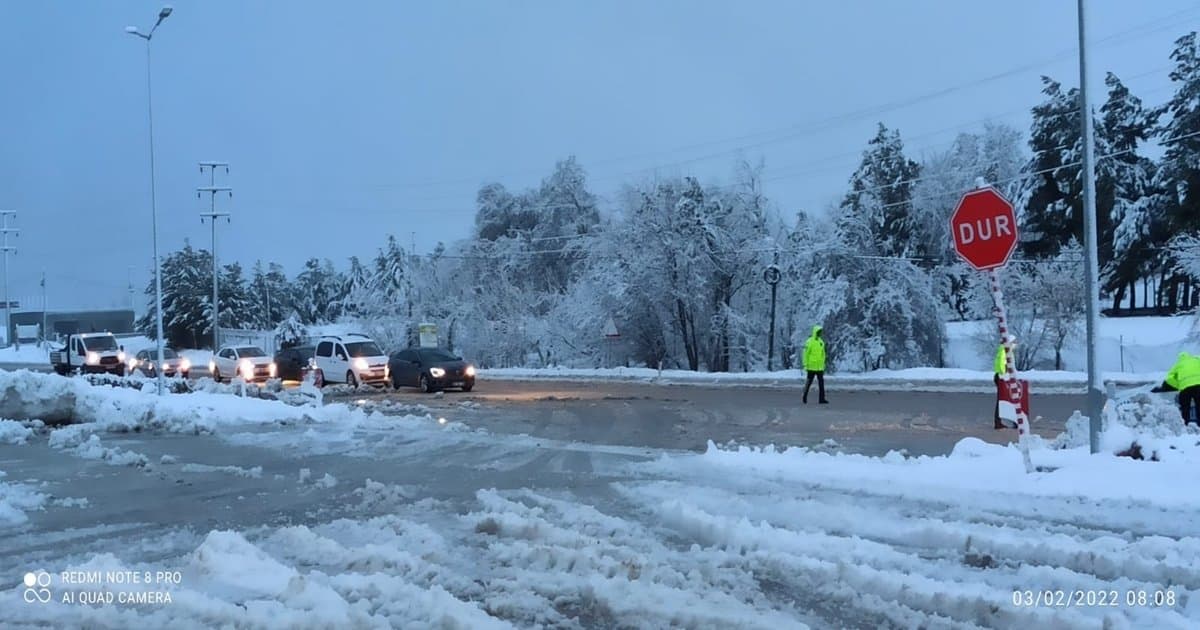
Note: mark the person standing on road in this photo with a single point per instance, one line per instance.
(1184, 377)
(999, 376)
(814, 364)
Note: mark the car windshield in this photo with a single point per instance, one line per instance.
(100, 344)
(437, 356)
(250, 351)
(363, 349)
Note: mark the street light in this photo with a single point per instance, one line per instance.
(158, 316)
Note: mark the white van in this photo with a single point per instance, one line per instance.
(352, 359)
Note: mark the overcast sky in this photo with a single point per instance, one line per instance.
(344, 121)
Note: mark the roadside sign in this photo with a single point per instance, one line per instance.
(427, 335)
(984, 229)
(610, 329)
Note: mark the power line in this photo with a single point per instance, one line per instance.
(1166, 22)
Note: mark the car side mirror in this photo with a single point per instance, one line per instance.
(121, 348)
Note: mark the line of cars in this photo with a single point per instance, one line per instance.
(352, 359)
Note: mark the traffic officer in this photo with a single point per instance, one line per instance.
(1000, 374)
(814, 364)
(1184, 377)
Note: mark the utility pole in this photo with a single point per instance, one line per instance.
(9, 337)
(267, 294)
(212, 189)
(412, 260)
(130, 283)
(772, 275)
(1095, 394)
(45, 334)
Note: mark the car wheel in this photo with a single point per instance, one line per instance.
(395, 381)
(467, 388)
(184, 374)
(424, 385)
(351, 380)
(216, 374)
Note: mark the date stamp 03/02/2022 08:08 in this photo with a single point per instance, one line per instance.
(1098, 598)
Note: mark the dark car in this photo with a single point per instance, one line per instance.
(146, 362)
(430, 370)
(293, 364)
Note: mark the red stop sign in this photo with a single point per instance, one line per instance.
(984, 229)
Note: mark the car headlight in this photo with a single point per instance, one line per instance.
(361, 364)
(93, 358)
(437, 372)
(470, 370)
(212, 367)
(121, 356)
(247, 368)
(165, 366)
(185, 365)
(133, 363)
(271, 369)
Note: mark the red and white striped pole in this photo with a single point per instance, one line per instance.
(1010, 371)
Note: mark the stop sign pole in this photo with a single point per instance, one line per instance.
(984, 230)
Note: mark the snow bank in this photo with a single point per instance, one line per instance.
(1066, 468)
(913, 379)
(51, 398)
(13, 432)
(15, 500)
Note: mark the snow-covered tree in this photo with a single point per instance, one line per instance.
(356, 289)
(887, 315)
(1179, 173)
(290, 332)
(270, 295)
(236, 303)
(187, 293)
(317, 292)
(993, 155)
(881, 194)
(1126, 191)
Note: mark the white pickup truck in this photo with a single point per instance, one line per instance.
(90, 353)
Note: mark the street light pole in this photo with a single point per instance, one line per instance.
(771, 275)
(1095, 394)
(158, 301)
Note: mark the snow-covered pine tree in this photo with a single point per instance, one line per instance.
(1179, 172)
(270, 295)
(317, 289)
(1053, 211)
(290, 332)
(236, 305)
(389, 283)
(1125, 186)
(187, 291)
(881, 193)
(356, 289)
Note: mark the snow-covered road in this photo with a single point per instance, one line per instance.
(347, 517)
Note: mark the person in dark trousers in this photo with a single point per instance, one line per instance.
(1184, 377)
(1000, 374)
(814, 364)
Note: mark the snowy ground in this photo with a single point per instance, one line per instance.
(260, 514)
(29, 353)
